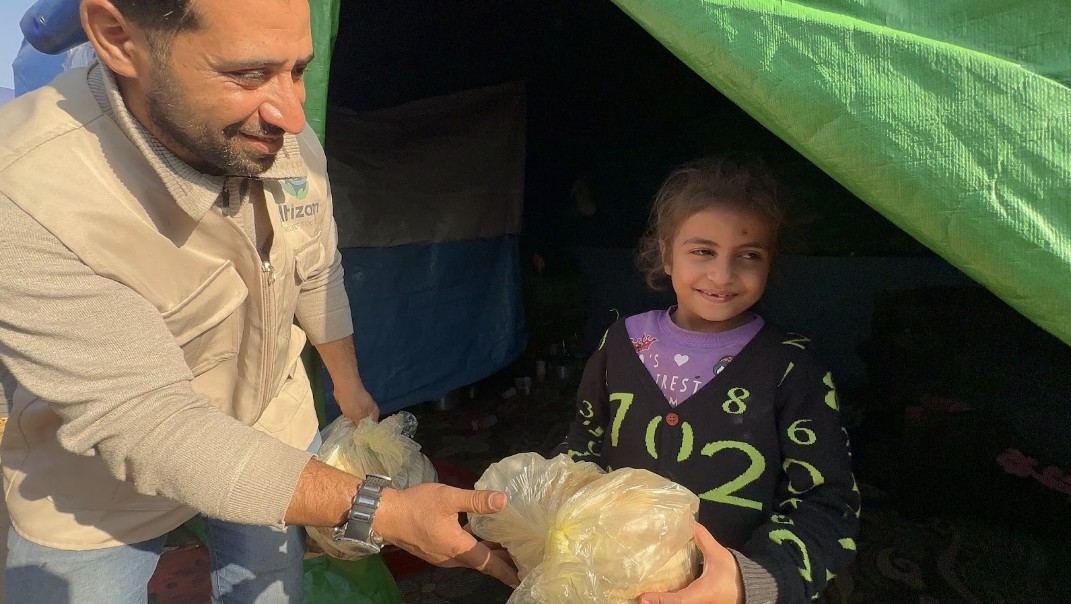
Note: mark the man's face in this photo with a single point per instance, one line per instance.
(224, 94)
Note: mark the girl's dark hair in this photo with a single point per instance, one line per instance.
(744, 184)
(162, 20)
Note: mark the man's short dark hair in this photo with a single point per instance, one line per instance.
(162, 20)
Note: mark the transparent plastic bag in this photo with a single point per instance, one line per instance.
(522, 528)
(371, 447)
(578, 534)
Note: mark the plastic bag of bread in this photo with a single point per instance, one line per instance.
(578, 534)
(371, 447)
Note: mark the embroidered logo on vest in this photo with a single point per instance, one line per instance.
(296, 187)
(287, 212)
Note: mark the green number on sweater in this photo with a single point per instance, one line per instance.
(724, 493)
(831, 396)
(780, 536)
(816, 476)
(586, 411)
(687, 440)
(801, 436)
(787, 371)
(591, 452)
(648, 438)
(619, 414)
(797, 341)
(736, 405)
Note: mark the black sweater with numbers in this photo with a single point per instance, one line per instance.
(761, 444)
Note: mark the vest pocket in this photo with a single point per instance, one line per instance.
(207, 324)
(308, 257)
(291, 416)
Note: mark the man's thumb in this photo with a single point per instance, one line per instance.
(486, 502)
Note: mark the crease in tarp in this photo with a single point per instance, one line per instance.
(901, 21)
(808, 16)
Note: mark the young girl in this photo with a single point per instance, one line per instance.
(709, 395)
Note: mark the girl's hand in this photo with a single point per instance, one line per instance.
(720, 582)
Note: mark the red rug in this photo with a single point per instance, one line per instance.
(182, 577)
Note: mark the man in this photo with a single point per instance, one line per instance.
(164, 216)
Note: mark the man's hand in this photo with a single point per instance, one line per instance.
(423, 521)
(720, 582)
(341, 361)
(357, 405)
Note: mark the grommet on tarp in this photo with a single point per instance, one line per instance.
(53, 26)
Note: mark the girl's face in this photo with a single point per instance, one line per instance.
(718, 261)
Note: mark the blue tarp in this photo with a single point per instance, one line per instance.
(435, 317)
(51, 29)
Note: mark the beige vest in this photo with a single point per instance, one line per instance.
(231, 315)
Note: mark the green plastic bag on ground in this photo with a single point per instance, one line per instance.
(329, 580)
(366, 581)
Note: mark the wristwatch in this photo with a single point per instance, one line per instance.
(357, 530)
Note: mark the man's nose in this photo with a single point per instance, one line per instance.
(284, 107)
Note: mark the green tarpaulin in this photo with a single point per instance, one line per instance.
(324, 30)
(324, 15)
(951, 118)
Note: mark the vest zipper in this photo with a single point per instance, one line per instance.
(234, 189)
(268, 272)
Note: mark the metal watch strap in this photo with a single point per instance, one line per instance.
(365, 503)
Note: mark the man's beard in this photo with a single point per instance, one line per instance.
(216, 150)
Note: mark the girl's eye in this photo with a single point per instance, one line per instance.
(703, 252)
(751, 256)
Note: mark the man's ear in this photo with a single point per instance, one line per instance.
(120, 44)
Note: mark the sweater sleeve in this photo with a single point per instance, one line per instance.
(583, 442)
(810, 536)
(102, 358)
(323, 308)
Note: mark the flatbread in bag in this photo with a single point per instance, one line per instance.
(371, 447)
